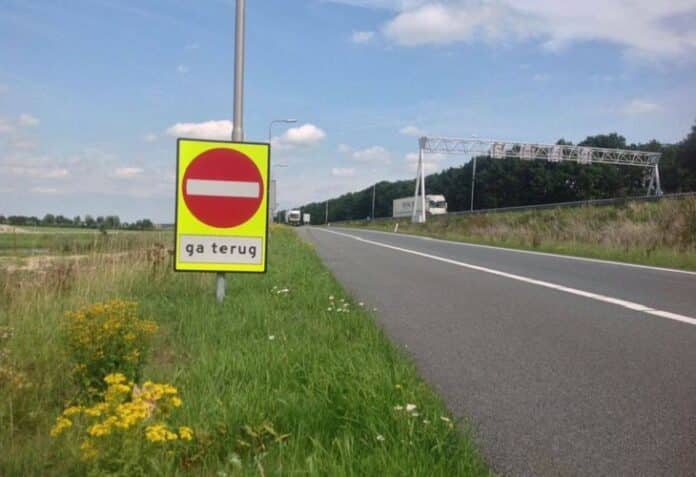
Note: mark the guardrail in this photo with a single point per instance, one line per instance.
(520, 208)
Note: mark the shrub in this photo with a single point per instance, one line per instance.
(105, 338)
(123, 432)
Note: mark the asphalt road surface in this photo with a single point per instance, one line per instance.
(562, 366)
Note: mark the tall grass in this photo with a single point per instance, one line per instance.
(276, 359)
(79, 242)
(659, 233)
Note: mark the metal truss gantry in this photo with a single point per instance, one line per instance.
(497, 149)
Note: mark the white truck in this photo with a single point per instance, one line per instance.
(306, 219)
(294, 217)
(435, 204)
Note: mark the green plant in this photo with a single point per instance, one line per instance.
(122, 432)
(105, 338)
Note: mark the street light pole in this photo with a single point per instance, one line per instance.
(275, 121)
(238, 120)
(327, 212)
(374, 189)
(271, 207)
(473, 183)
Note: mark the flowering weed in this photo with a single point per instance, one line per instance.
(130, 421)
(106, 338)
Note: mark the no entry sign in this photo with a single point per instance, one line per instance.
(222, 206)
(223, 188)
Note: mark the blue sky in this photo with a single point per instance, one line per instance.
(94, 92)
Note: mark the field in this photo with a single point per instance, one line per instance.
(651, 233)
(289, 376)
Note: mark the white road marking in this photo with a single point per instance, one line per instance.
(222, 188)
(573, 291)
(531, 252)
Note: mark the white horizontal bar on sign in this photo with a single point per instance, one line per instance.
(222, 188)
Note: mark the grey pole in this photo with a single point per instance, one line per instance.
(272, 206)
(374, 187)
(414, 213)
(473, 183)
(420, 181)
(327, 211)
(423, 215)
(238, 130)
(238, 121)
(658, 187)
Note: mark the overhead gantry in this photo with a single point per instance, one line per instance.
(497, 149)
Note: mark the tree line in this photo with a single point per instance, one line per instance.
(100, 222)
(513, 182)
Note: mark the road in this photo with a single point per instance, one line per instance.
(561, 366)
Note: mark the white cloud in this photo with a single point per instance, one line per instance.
(27, 120)
(301, 136)
(221, 129)
(23, 121)
(151, 137)
(639, 106)
(643, 28)
(36, 171)
(541, 77)
(21, 144)
(362, 37)
(6, 126)
(128, 172)
(445, 23)
(343, 172)
(182, 69)
(431, 162)
(344, 149)
(44, 190)
(56, 174)
(412, 131)
(372, 154)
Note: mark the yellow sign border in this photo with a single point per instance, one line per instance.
(188, 149)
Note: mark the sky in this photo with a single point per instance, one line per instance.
(94, 93)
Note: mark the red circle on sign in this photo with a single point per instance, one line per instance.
(222, 188)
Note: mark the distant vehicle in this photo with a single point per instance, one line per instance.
(294, 217)
(435, 204)
(306, 219)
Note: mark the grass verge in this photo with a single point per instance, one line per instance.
(276, 355)
(658, 233)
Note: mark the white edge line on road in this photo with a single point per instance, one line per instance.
(573, 291)
(531, 252)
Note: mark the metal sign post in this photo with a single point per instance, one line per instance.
(238, 122)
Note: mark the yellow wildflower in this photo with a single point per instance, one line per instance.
(115, 378)
(185, 433)
(88, 450)
(175, 401)
(61, 424)
(72, 410)
(103, 428)
(159, 433)
(96, 410)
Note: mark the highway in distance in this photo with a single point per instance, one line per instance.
(562, 366)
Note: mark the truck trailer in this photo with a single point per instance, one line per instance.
(294, 217)
(435, 204)
(306, 219)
